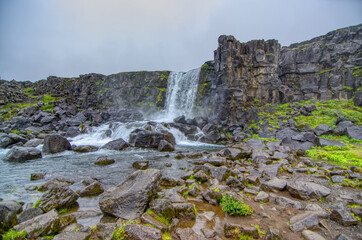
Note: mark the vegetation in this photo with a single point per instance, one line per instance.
(234, 207)
(14, 235)
(29, 91)
(162, 219)
(325, 71)
(36, 204)
(63, 210)
(245, 237)
(206, 67)
(119, 233)
(166, 236)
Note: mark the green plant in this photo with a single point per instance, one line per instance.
(355, 216)
(36, 204)
(29, 91)
(94, 228)
(354, 205)
(325, 71)
(63, 210)
(119, 233)
(166, 236)
(164, 76)
(14, 235)
(234, 207)
(16, 131)
(47, 107)
(261, 233)
(346, 88)
(206, 67)
(159, 218)
(245, 237)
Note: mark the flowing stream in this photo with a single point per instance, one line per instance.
(181, 93)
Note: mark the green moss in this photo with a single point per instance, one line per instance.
(48, 98)
(346, 88)
(16, 132)
(234, 207)
(14, 235)
(162, 219)
(166, 236)
(245, 237)
(63, 210)
(164, 76)
(325, 71)
(206, 67)
(119, 233)
(29, 91)
(47, 107)
(261, 233)
(357, 72)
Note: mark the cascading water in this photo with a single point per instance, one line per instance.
(181, 93)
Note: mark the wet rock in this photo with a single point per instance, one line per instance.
(57, 198)
(322, 129)
(141, 232)
(17, 138)
(165, 146)
(94, 189)
(273, 234)
(187, 234)
(306, 220)
(118, 144)
(74, 235)
(148, 139)
(212, 197)
(105, 230)
(184, 211)
(29, 213)
(194, 155)
(104, 160)
(343, 217)
(233, 230)
(37, 176)
(286, 202)
(20, 154)
(8, 211)
(163, 207)
(354, 132)
(72, 132)
(274, 184)
(34, 142)
(261, 197)
(129, 199)
(307, 190)
(55, 144)
(140, 165)
(54, 183)
(45, 224)
(85, 148)
(310, 235)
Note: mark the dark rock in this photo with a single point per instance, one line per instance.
(255, 143)
(234, 183)
(45, 224)
(148, 139)
(147, 218)
(20, 154)
(322, 129)
(354, 132)
(274, 184)
(94, 189)
(285, 133)
(57, 198)
(342, 126)
(180, 119)
(357, 100)
(5, 140)
(55, 183)
(37, 176)
(29, 213)
(34, 142)
(305, 137)
(85, 148)
(286, 202)
(307, 190)
(233, 230)
(212, 197)
(327, 142)
(306, 220)
(337, 179)
(343, 217)
(129, 199)
(17, 138)
(104, 160)
(168, 182)
(141, 232)
(55, 144)
(8, 211)
(165, 146)
(341, 236)
(118, 144)
(184, 211)
(201, 176)
(140, 165)
(74, 235)
(72, 132)
(163, 207)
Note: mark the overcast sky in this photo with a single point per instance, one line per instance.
(66, 38)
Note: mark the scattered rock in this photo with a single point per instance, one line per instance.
(322, 129)
(140, 165)
(307, 190)
(20, 154)
(34, 142)
(343, 217)
(54, 183)
(118, 144)
(184, 211)
(165, 146)
(57, 198)
(274, 184)
(55, 144)
(104, 160)
(8, 211)
(262, 197)
(354, 132)
(286, 202)
(306, 220)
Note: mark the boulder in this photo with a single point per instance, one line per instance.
(94, 189)
(149, 139)
(310, 235)
(305, 220)
(45, 224)
(130, 198)
(73, 235)
(34, 142)
(29, 213)
(327, 142)
(255, 143)
(165, 146)
(354, 132)
(357, 100)
(307, 190)
(54, 183)
(286, 202)
(17, 138)
(322, 129)
(37, 176)
(57, 198)
(343, 217)
(212, 197)
(55, 144)
(5, 140)
(85, 148)
(118, 145)
(273, 234)
(163, 207)
(285, 133)
(184, 211)
(141, 165)
(141, 232)
(147, 218)
(20, 154)
(274, 184)
(8, 211)
(104, 160)
(342, 126)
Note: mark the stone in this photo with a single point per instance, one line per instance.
(118, 144)
(140, 165)
(21, 154)
(286, 202)
(342, 126)
(165, 146)
(163, 207)
(42, 225)
(212, 197)
(233, 182)
(85, 148)
(354, 132)
(17, 138)
(57, 198)
(285, 133)
(337, 179)
(74, 235)
(5, 140)
(233, 153)
(54, 183)
(341, 236)
(357, 100)
(168, 182)
(104, 160)
(37, 176)
(306, 220)
(55, 144)
(273, 234)
(8, 211)
(147, 218)
(327, 142)
(262, 197)
(187, 234)
(184, 211)
(307, 190)
(322, 129)
(129, 199)
(260, 156)
(94, 189)
(149, 139)
(29, 213)
(201, 176)
(141, 232)
(343, 217)
(274, 184)
(310, 235)
(233, 230)
(255, 143)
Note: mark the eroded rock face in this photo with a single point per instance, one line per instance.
(129, 199)
(55, 144)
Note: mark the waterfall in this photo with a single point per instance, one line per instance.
(181, 93)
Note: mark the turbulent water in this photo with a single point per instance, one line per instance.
(181, 93)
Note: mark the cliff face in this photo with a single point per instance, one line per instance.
(247, 75)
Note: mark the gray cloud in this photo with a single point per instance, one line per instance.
(71, 37)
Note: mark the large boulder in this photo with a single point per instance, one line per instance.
(55, 144)
(29, 213)
(20, 154)
(92, 189)
(43, 225)
(118, 144)
(57, 198)
(149, 139)
(354, 132)
(85, 148)
(129, 199)
(322, 129)
(8, 211)
(5, 140)
(307, 190)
